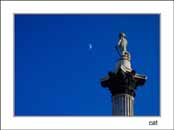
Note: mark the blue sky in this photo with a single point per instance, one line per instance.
(57, 74)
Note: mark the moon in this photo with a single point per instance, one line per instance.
(90, 46)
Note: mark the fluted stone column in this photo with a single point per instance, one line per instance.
(123, 81)
(122, 105)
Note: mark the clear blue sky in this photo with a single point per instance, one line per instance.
(56, 73)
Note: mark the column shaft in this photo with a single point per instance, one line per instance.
(122, 105)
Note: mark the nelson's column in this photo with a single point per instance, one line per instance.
(123, 82)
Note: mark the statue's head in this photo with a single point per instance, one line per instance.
(122, 34)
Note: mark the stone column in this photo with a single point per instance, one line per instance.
(122, 82)
(122, 105)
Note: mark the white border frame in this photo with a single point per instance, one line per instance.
(9, 8)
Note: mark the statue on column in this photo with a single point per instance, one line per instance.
(123, 79)
(122, 44)
(123, 63)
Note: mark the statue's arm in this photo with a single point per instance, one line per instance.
(118, 44)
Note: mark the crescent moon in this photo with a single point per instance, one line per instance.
(90, 46)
